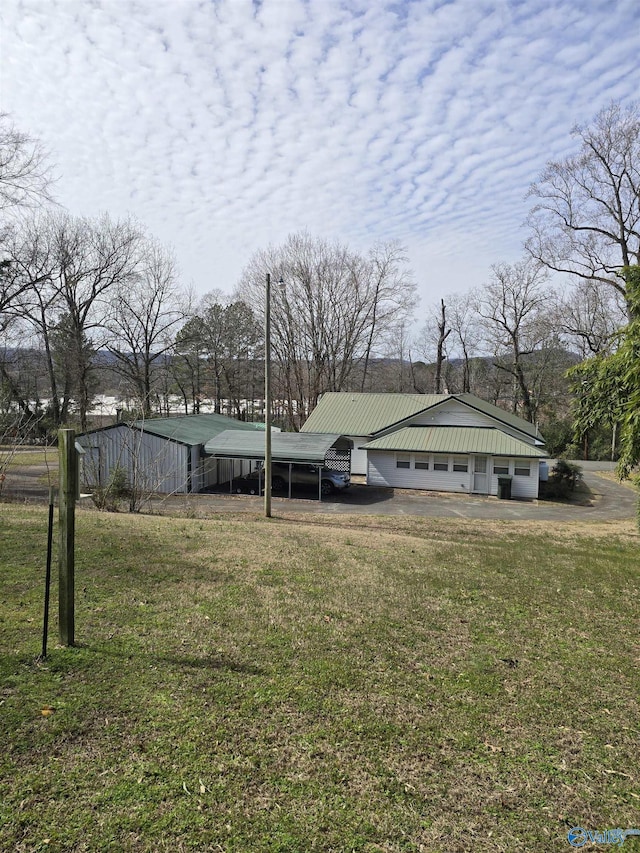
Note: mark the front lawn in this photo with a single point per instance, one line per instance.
(355, 684)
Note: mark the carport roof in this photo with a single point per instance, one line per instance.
(446, 439)
(285, 446)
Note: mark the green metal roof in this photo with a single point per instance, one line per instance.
(285, 446)
(500, 414)
(365, 414)
(194, 429)
(445, 439)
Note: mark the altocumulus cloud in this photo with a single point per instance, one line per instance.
(226, 124)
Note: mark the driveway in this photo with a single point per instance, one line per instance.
(601, 500)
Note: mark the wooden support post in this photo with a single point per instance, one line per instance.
(66, 518)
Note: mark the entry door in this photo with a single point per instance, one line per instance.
(480, 477)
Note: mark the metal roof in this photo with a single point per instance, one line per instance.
(500, 414)
(365, 414)
(446, 439)
(194, 429)
(285, 446)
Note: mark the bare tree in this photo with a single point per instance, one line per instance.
(512, 306)
(587, 217)
(589, 316)
(145, 309)
(466, 333)
(94, 258)
(333, 310)
(443, 334)
(25, 175)
(67, 267)
(432, 340)
(27, 297)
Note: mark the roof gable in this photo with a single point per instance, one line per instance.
(499, 414)
(348, 413)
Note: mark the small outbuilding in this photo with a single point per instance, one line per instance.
(163, 455)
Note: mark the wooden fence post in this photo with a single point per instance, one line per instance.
(66, 543)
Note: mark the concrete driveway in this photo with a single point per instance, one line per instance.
(601, 499)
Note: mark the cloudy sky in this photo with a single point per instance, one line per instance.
(225, 125)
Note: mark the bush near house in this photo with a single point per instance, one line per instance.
(563, 480)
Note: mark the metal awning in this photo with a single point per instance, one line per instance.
(285, 446)
(450, 439)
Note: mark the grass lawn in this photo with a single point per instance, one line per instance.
(30, 456)
(307, 684)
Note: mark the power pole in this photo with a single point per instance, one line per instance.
(267, 398)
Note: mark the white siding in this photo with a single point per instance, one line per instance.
(358, 457)
(454, 413)
(525, 488)
(382, 471)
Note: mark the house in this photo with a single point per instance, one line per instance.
(443, 442)
(164, 455)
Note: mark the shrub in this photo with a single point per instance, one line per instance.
(563, 479)
(114, 493)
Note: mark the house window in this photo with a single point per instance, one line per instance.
(522, 468)
(500, 466)
(440, 463)
(422, 461)
(460, 463)
(403, 460)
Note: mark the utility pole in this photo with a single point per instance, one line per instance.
(267, 398)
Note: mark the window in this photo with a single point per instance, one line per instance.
(440, 463)
(460, 463)
(403, 460)
(500, 466)
(522, 468)
(422, 461)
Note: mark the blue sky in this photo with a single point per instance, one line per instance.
(224, 125)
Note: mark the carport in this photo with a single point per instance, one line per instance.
(290, 448)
